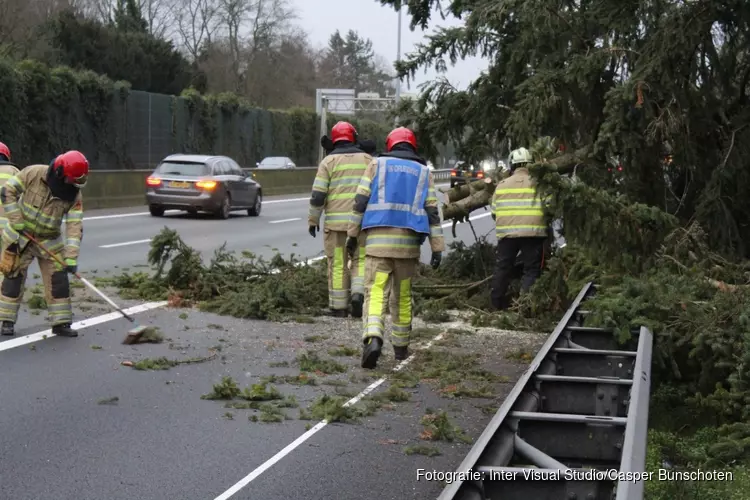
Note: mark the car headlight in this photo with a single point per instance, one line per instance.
(486, 165)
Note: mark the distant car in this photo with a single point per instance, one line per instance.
(462, 172)
(214, 184)
(276, 162)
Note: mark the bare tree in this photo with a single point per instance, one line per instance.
(19, 20)
(157, 13)
(196, 22)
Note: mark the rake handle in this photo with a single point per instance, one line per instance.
(81, 278)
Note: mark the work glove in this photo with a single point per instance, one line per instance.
(436, 258)
(9, 259)
(351, 246)
(71, 266)
(312, 229)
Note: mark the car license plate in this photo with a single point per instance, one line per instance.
(179, 184)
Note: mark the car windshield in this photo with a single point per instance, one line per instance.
(183, 168)
(274, 162)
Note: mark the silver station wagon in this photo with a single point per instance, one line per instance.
(213, 184)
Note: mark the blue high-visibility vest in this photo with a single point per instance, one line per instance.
(397, 196)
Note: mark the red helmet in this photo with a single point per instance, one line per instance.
(399, 135)
(343, 131)
(5, 151)
(73, 168)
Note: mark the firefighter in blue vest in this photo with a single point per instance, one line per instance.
(396, 207)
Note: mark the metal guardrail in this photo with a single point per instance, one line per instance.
(438, 174)
(573, 427)
(442, 174)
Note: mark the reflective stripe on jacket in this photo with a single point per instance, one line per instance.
(6, 172)
(397, 196)
(29, 203)
(334, 188)
(517, 208)
(395, 242)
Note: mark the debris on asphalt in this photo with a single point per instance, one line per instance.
(422, 449)
(109, 401)
(151, 335)
(439, 427)
(164, 363)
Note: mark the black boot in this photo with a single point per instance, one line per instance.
(64, 331)
(371, 352)
(8, 328)
(339, 313)
(401, 352)
(357, 301)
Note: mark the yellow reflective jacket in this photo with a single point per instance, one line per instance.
(336, 185)
(30, 206)
(7, 170)
(518, 210)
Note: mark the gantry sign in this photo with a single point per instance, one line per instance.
(344, 102)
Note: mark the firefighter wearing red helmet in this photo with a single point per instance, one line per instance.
(397, 209)
(36, 201)
(7, 170)
(333, 193)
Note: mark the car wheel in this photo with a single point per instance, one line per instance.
(255, 211)
(156, 211)
(192, 212)
(226, 207)
(453, 183)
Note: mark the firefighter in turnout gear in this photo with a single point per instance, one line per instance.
(520, 226)
(333, 192)
(7, 170)
(36, 201)
(396, 208)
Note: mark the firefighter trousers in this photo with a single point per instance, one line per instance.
(532, 255)
(56, 286)
(345, 276)
(389, 280)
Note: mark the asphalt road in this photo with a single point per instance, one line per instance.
(121, 237)
(160, 440)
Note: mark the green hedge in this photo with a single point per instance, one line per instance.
(46, 111)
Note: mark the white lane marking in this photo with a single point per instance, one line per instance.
(481, 216)
(284, 220)
(136, 242)
(138, 214)
(117, 216)
(96, 320)
(307, 435)
(124, 244)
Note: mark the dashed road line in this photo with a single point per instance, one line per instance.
(96, 320)
(139, 214)
(126, 243)
(314, 430)
(284, 220)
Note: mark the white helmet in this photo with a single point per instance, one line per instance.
(520, 155)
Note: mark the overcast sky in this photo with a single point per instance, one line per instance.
(320, 18)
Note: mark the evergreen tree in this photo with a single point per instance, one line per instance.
(621, 81)
(128, 17)
(122, 50)
(349, 62)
